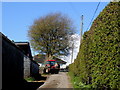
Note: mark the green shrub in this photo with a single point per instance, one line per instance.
(98, 60)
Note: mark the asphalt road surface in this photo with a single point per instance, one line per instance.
(60, 80)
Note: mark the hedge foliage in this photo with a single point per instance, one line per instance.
(98, 60)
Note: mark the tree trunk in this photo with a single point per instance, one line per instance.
(49, 57)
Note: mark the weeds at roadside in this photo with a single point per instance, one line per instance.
(29, 79)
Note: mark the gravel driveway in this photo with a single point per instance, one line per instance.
(60, 80)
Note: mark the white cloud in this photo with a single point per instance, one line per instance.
(75, 49)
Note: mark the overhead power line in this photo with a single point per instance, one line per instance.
(93, 16)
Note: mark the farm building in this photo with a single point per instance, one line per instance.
(17, 64)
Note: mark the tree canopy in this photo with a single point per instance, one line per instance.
(50, 34)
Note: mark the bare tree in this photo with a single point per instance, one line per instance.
(49, 34)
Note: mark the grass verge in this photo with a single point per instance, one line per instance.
(77, 83)
(29, 79)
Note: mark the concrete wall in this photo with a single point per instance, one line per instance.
(27, 62)
(31, 68)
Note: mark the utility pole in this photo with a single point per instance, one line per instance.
(81, 29)
(72, 51)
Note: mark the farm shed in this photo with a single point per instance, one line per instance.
(31, 68)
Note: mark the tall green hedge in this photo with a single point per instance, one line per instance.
(98, 60)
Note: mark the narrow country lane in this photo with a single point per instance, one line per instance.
(60, 80)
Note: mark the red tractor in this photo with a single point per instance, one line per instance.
(51, 66)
